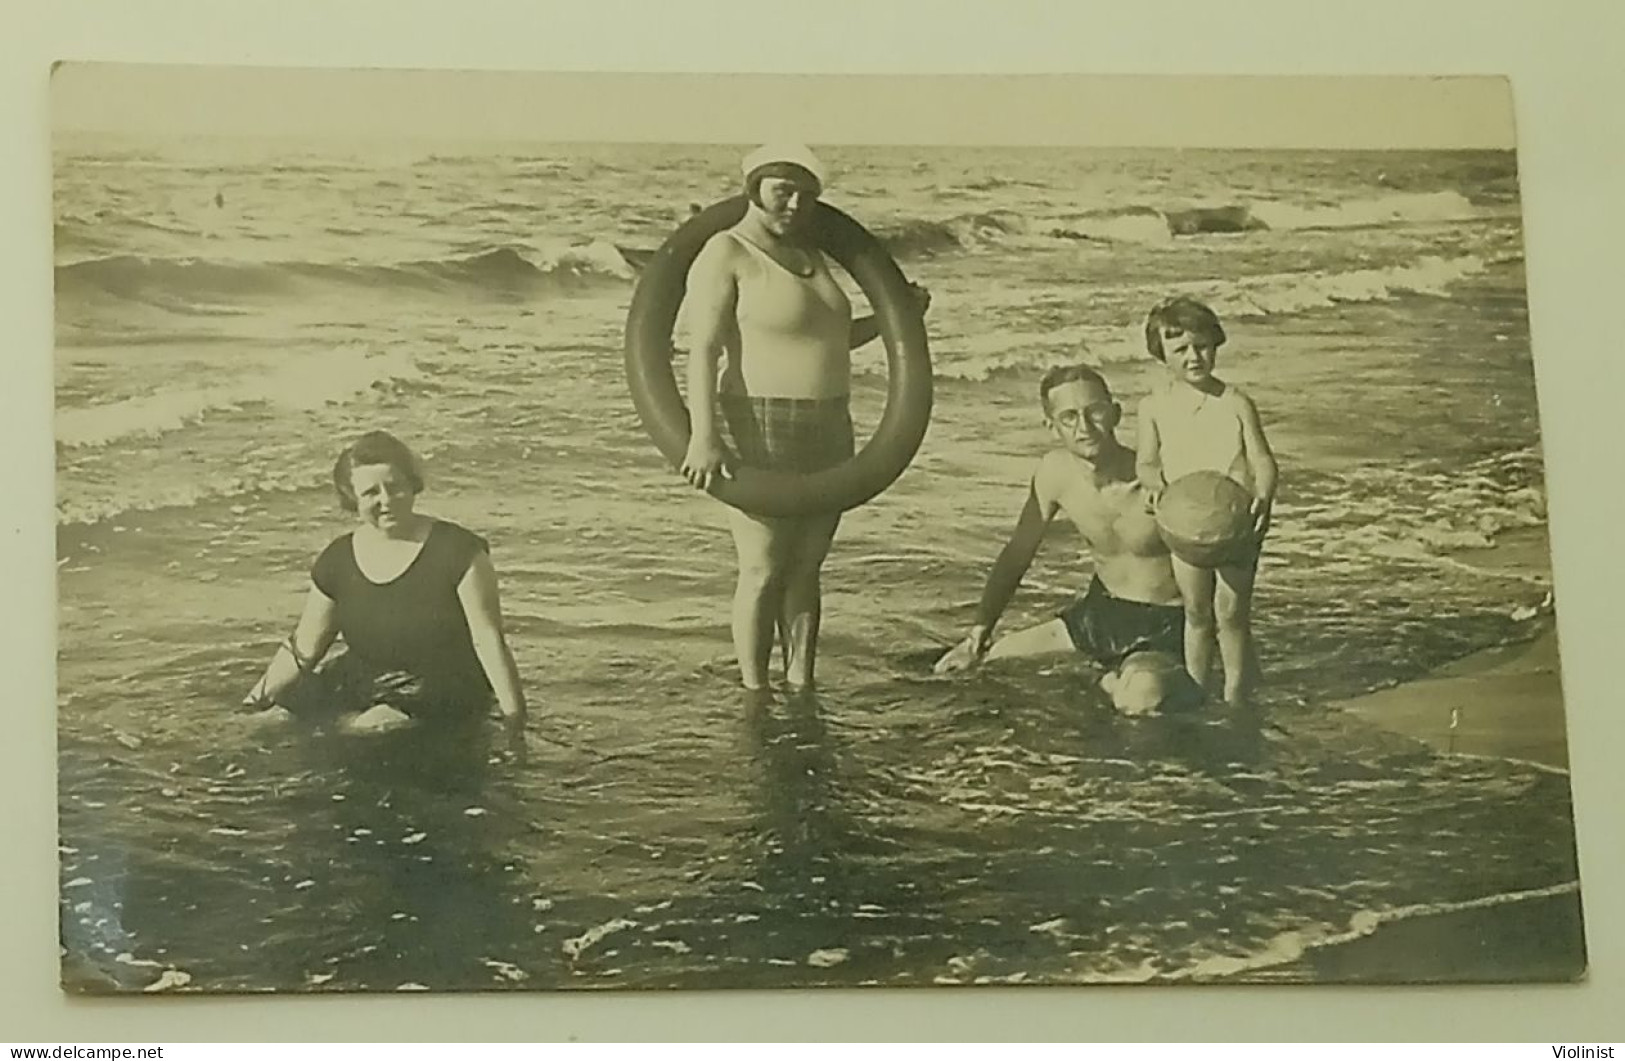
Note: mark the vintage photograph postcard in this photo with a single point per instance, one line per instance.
(522, 532)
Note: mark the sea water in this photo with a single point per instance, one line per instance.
(231, 311)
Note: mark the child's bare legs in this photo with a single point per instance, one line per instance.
(1196, 588)
(1233, 608)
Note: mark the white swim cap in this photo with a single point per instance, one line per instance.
(797, 154)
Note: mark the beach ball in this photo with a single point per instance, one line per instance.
(1206, 518)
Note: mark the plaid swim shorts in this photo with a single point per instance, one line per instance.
(788, 434)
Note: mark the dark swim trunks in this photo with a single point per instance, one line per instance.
(1110, 630)
(788, 434)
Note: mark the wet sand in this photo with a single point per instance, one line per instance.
(1530, 940)
(1505, 702)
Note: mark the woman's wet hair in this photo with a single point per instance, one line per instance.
(1183, 314)
(784, 170)
(375, 447)
(1074, 373)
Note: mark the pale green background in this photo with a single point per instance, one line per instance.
(1567, 83)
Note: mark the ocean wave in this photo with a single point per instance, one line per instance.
(1396, 208)
(73, 235)
(125, 335)
(985, 352)
(920, 237)
(1154, 224)
(271, 479)
(1289, 947)
(305, 383)
(504, 268)
(104, 231)
(564, 267)
(994, 183)
(1146, 223)
(1424, 516)
(912, 238)
(1283, 293)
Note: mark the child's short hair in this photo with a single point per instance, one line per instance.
(375, 447)
(1186, 314)
(1073, 373)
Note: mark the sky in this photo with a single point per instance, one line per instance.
(1122, 110)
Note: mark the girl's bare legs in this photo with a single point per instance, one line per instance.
(1196, 587)
(1233, 609)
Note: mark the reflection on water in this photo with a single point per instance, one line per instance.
(323, 860)
(1008, 827)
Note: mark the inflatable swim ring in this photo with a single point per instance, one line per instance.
(660, 407)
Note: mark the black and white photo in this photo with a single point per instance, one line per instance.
(1187, 617)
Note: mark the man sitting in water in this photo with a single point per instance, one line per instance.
(1131, 619)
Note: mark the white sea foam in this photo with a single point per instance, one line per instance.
(305, 382)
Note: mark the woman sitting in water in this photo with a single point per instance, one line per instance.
(762, 293)
(416, 600)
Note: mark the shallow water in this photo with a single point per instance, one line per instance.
(903, 829)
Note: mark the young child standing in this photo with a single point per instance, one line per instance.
(1197, 422)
